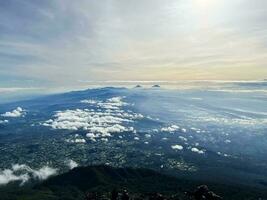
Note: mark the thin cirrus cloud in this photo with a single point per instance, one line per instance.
(136, 40)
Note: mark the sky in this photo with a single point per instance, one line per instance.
(66, 43)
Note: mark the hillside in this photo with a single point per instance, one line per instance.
(102, 180)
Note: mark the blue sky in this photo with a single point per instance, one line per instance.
(63, 43)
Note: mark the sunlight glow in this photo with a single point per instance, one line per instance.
(204, 3)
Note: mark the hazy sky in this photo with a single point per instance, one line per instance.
(47, 43)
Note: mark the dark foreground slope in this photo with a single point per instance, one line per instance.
(81, 181)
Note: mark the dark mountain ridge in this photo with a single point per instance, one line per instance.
(81, 181)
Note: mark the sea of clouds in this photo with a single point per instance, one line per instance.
(105, 118)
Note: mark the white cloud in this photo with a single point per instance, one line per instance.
(89, 101)
(177, 147)
(183, 130)
(105, 131)
(104, 139)
(3, 121)
(136, 138)
(72, 164)
(92, 136)
(183, 138)
(197, 130)
(117, 101)
(18, 112)
(227, 141)
(223, 154)
(171, 128)
(107, 119)
(113, 103)
(196, 150)
(44, 172)
(80, 140)
(24, 173)
(76, 140)
(7, 176)
(239, 120)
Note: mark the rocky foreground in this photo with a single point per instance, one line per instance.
(201, 193)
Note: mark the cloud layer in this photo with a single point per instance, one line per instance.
(106, 118)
